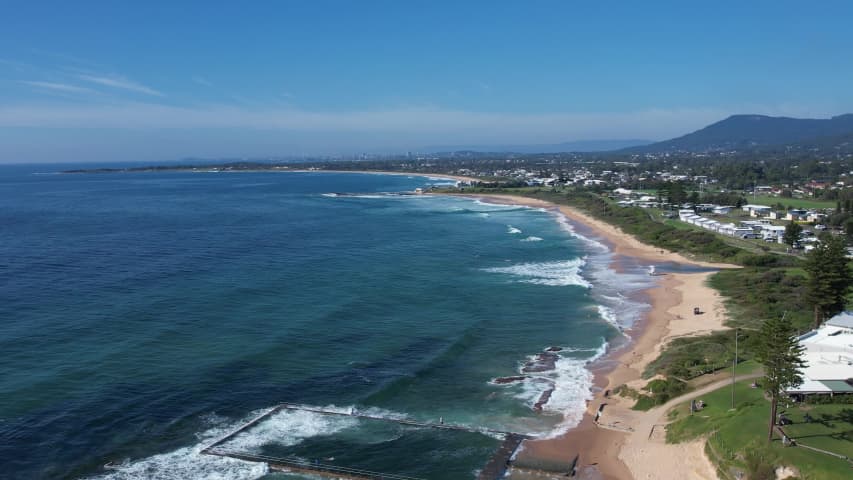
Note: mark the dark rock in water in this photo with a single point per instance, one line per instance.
(505, 380)
(543, 399)
(542, 362)
(553, 349)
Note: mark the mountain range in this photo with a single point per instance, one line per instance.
(737, 132)
(755, 132)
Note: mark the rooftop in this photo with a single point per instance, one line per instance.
(828, 353)
(843, 320)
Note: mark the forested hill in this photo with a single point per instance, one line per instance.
(745, 132)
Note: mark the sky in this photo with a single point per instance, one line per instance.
(163, 80)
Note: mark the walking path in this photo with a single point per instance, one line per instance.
(648, 456)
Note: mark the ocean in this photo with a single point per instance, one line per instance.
(144, 315)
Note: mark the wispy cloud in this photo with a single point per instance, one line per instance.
(59, 87)
(415, 124)
(119, 82)
(202, 81)
(432, 124)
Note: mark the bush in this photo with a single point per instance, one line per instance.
(843, 399)
(660, 392)
(759, 462)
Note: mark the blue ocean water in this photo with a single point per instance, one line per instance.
(144, 315)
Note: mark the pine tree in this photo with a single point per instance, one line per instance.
(781, 354)
(829, 277)
(792, 233)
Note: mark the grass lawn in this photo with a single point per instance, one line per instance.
(793, 202)
(733, 432)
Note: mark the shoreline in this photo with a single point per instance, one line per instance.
(620, 445)
(458, 178)
(283, 169)
(619, 242)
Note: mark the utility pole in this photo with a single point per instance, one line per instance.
(734, 367)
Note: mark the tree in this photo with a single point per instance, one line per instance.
(674, 192)
(694, 198)
(781, 354)
(792, 233)
(829, 277)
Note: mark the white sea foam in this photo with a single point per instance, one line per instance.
(571, 382)
(559, 273)
(564, 223)
(614, 291)
(498, 206)
(532, 239)
(573, 389)
(288, 427)
(188, 463)
(608, 315)
(372, 196)
(439, 181)
(512, 230)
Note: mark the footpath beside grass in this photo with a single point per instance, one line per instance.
(733, 434)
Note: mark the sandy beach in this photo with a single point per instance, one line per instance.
(624, 443)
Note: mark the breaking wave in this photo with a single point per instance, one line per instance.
(558, 274)
(287, 428)
(570, 384)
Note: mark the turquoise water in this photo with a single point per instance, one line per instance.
(144, 315)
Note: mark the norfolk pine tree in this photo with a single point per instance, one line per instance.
(781, 354)
(792, 233)
(829, 277)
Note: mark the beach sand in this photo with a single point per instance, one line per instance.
(627, 444)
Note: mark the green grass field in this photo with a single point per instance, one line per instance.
(733, 432)
(805, 203)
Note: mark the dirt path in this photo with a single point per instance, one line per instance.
(647, 454)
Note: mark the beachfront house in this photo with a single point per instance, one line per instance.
(797, 215)
(743, 232)
(757, 210)
(828, 353)
(773, 232)
(684, 213)
(727, 229)
(815, 217)
(722, 210)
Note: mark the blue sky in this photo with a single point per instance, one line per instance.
(149, 81)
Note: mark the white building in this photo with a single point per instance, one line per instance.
(757, 210)
(773, 232)
(828, 353)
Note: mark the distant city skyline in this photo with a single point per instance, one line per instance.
(155, 81)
